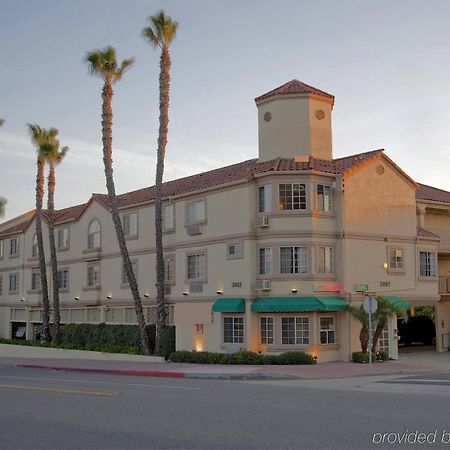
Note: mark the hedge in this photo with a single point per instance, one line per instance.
(363, 358)
(242, 357)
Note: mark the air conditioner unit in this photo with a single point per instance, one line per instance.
(192, 230)
(262, 222)
(196, 287)
(262, 285)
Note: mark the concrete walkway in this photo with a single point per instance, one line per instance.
(415, 364)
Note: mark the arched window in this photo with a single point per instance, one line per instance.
(34, 246)
(94, 234)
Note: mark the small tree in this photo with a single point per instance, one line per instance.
(360, 314)
(384, 312)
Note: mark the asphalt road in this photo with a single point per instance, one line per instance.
(51, 410)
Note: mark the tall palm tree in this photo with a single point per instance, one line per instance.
(360, 314)
(160, 34)
(53, 158)
(385, 310)
(42, 139)
(103, 63)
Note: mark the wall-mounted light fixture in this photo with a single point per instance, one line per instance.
(109, 296)
(294, 290)
(385, 265)
(22, 299)
(185, 293)
(76, 298)
(146, 295)
(219, 292)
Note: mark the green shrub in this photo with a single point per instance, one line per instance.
(167, 341)
(363, 358)
(289, 358)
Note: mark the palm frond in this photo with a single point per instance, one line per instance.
(162, 30)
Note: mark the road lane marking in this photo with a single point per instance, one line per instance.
(166, 386)
(58, 390)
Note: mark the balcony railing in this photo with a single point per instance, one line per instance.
(444, 285)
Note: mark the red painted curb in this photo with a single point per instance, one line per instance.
(126, 372)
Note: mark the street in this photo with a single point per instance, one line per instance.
(54, 410)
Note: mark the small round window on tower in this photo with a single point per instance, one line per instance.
(320, 114)
(380, 169)
(267, 116)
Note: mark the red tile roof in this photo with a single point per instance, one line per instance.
(421, 232)
(293, 87)
(18, 228)
(425, 192)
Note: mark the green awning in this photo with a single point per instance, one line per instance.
(397, 302)
(297, 304)
(229, 305)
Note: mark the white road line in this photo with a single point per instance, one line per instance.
(103, 382)
(423, 381)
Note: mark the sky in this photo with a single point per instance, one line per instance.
(386, 62)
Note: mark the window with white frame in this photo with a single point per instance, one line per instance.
(265, 198)
(124, 273)
(233, 330)
(93, 276)
(327, 330)
(130, 224)
(265, 261)
(292, 196)
(234, 250)
(94, 234)
(14, 247)
(168, 217)
(63, 238)
(169, 269)
(34, 246)
(195, 212)
(266, 328)
(2, 249)
(427, 264)
(325, 258)
(324, 197)
(295, 330)
(35, 281)
(196, 268)
(293, 259)
(13, 283)
(63, 279)
(396, 259)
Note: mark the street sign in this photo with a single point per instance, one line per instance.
(370, 304)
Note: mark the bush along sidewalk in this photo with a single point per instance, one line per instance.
(363, 358)
(242, 358)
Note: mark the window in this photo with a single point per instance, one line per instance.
(196, 212)
(13, 283)
(295, 330)
(63, 238)
(233, 330)
(2, 249)
(427, 264)
(169, 269)
(265, 261)
(14, 247)
(63, 279)
(94, 234)
(292, 196)
(234, 250)
(93, 276)
(129, 224)
(35, 281)
(34, 247)
(396, 259)
(196, 267)
(124, 273)
(266, 330)
(293, 259)
(324, 197)
(265, 198)
(168, 222)
(326, 260)
(327, 335)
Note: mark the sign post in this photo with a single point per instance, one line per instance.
(370, 306)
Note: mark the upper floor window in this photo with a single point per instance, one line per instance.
(234, 250)
(169, 269)
(63, 238)
(168, 217)
(13, 282)
(35, 281)
(2, 249)
(34, 246)
(293, 259)
(324, 197)
(396, 259)
(124, 273)
(292, 196)
(265, 198)
(196, 267)
(196, 212)
(327, 332)
(63, 279)
(93, 276)
(427, 264)
(94, 234)
(14, 247)
(265, 261)
(326, 260)
(129, 224)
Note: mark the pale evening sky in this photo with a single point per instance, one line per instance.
(387, 63)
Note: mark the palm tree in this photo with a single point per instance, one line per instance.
(360, 314)
(160, 34)
(53, 158)
(42, 139)
(103, 63)
(384, 312)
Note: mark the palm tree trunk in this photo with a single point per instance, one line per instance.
(107, 95)
(376, 336)
(364, 338)
(53, 259)
(164, 91)
(45, 336)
